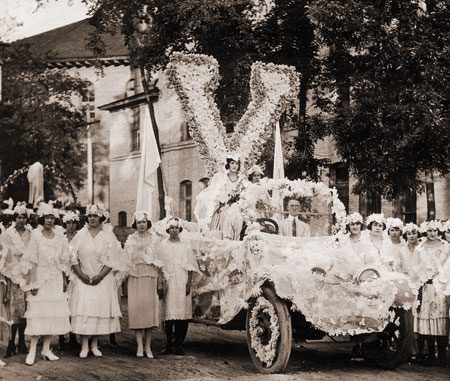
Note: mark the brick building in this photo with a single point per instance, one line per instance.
(115, 109)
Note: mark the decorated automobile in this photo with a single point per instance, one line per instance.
(283, 288)
(275, 287)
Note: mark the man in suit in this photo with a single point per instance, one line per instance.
(292, 226)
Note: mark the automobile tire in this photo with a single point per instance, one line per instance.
(266, 308)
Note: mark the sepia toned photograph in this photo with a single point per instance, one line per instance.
(212, 190)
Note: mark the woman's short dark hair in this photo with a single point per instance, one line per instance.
(229, 160)
(77, 223)
(369, 227)
(41, 219)
(149, 224)
(15, 215)
(347, 227)
(179, 227)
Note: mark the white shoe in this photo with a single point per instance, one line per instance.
(140, 354)
(2, 364)
(30, 358)
(84, 353)
(49, 356)
(149, 354)
(96, 352)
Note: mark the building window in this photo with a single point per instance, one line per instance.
(185, 133)
(407, 207)
(369, 203)
(204, 183)
(88, 103)
(130, 89)
(122, 219)
(339, 178)
(135, 129)
(186, 200)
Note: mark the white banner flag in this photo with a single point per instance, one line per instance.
(278, 169)
(150, 161)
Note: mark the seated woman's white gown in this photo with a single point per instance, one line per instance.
(47, 311)
(95, 309)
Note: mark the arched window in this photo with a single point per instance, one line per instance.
(130, 88)
(203, 183)
(88, 103)
(185, 134)
(135, 129)
(122, 219)
(186, 200)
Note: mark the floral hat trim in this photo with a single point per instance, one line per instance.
(445, 226)
(233, 156)
(21, 209)
(410, 227)
(430, 225)
(141, 215)
(354, 218)
(97, 209)
(176, 222)
(394, 223)
(71, 216)
(255, 169)
(376, 217)
(45, 209)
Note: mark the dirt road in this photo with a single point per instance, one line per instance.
(211, 354)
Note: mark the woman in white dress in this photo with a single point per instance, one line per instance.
(223, 190)
(47, 308)
(391, 254)
(143, 300)
(94, 302)
(179, 264)
(376, 224)
(433, 315)
(71, 220)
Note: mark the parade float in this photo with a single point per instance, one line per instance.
(278, 288)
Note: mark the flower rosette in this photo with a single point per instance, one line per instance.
(265, 348)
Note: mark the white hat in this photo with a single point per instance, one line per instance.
(141, 215)
(394, 223)
(430, 225)
(71, 216)
(21, 208)
(376, 217)
(354, 218)
(445, 226)
(254, 170)
(45, 209)
(97, 209)
(174, 222)
(410, 227)
(233, 156)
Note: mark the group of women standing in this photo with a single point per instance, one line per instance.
(420, 252)
(67, 280)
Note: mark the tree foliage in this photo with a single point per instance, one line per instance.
(387, 74)
(38, 121)
(378, 71)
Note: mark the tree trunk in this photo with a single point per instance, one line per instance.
(161, 193)
(429, 188)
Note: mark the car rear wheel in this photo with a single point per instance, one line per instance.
(394, 344)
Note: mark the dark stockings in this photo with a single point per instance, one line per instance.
(176, 331)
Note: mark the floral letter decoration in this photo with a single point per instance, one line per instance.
(274, 89)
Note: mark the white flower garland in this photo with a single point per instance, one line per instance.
(195, 77)
(265, 353)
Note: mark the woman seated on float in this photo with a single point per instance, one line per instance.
(215, 200)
